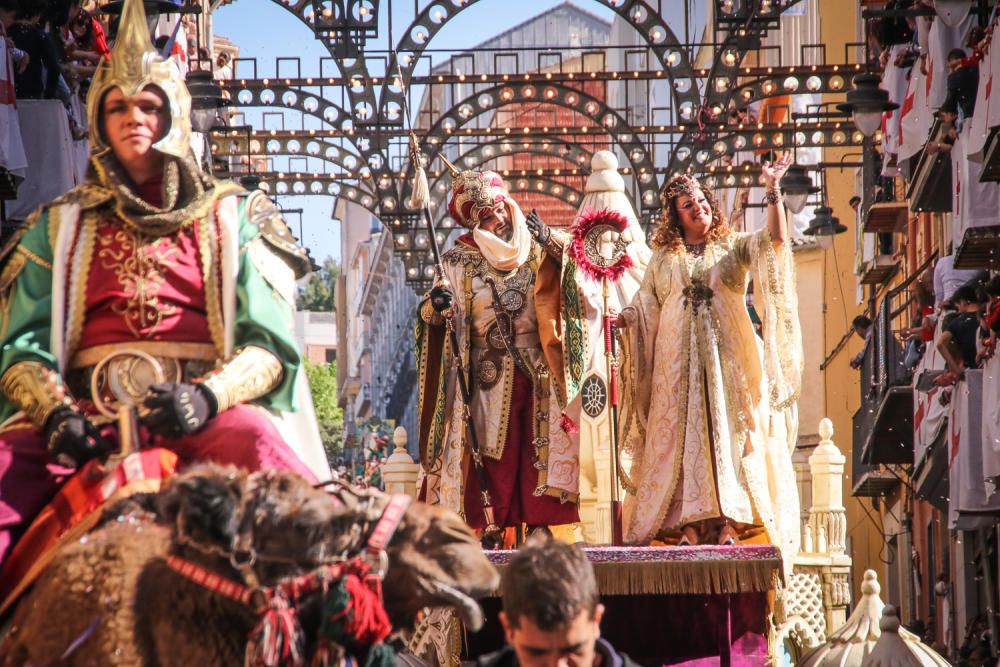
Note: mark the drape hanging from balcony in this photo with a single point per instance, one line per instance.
(974, 204)
(973, 504)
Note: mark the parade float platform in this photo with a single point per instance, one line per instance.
(692, 606)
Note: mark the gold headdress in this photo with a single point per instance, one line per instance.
(474, 193)
(681, 185)
(135, 63)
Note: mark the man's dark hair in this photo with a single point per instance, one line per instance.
(550, 583)
(29, 9)
(956, 54)
(992, 286)
(861, 322)
(965, 293)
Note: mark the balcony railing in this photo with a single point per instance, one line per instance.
(889, 211)
(887, 397)
(867, 480)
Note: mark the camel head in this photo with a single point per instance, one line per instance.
(286, 528)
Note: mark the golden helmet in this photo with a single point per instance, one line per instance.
(135, 63)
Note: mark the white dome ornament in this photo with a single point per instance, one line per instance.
(899, 648)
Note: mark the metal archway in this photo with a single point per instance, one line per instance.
(291, 144)
(557, 95)
(503, 147)
(655, 33)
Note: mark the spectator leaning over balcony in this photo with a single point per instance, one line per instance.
(862, 326)
(991, 319)
(947, 279)
(957, 343)
(40, 79)
(8, 14)
(963, 82)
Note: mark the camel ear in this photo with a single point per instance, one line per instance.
(203, 503)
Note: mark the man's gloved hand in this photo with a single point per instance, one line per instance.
(538, 229)
(178, 409)
(441, 298)
(72, 440)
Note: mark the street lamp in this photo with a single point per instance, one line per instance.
(797, 186)
(206, 100)
(824, 223)
(866, 103)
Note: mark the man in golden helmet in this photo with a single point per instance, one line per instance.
(502, 293)
(152, 256)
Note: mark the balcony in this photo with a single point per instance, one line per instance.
(889, 396)
(930, 473)
(890, 212)
(991, 158)
(979, 249)
(867, 481)
(930, 185)
(878, 270)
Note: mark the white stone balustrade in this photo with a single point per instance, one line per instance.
(399, 471)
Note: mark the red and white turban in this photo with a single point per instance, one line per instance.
(474, 193)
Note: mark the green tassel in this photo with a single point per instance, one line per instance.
(335, 602)
(381, 655)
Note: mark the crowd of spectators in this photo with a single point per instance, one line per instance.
(55, 45)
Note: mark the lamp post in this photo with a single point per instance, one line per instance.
(866, 103)
(824, 223)
(797, 186)
(206, 100)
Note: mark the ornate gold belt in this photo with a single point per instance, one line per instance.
(91, 356)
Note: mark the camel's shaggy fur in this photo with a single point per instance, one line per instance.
(115, 581)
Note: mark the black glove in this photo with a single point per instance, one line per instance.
(441, 298)
(538, 229)
(72, 439)
(178, 409)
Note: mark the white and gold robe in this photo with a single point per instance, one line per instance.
(709, 414)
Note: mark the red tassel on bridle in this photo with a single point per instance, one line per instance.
(277, 637)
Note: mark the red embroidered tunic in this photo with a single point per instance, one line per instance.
(144, 288)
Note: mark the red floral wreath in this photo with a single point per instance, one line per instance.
(585, 222)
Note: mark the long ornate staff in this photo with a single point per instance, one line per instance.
(586, 248)
(492, 537)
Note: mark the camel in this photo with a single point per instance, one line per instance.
(112, 599)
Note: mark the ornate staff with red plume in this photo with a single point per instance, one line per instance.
(599, 250)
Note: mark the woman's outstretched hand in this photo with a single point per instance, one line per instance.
(773, 172)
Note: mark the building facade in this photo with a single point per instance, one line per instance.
(375, 315)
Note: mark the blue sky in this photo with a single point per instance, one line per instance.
(265, 31)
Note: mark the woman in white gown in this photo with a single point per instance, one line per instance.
(709, 416)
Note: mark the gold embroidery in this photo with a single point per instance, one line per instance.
(78, 259)
(253, 372)
(139, 261)
(209, 236)
(34, 258)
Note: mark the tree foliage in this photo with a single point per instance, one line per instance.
(329, 415)
(318, 294)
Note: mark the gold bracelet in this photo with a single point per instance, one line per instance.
(35, 389)
(253, 372)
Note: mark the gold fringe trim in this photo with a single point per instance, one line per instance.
(695, 577)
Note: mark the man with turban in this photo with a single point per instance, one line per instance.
(502, 296)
